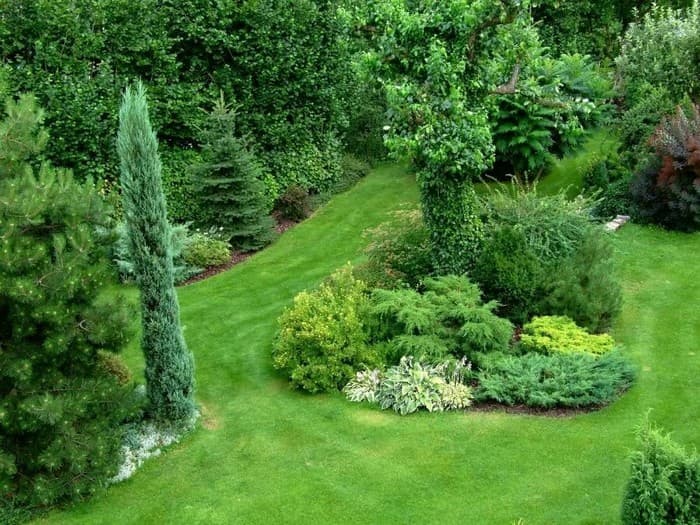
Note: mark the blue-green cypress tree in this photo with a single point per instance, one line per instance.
(169, 364)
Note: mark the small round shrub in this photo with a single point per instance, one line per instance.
(294, 204)
(559, 334)
(203, 251)
(584, 286)
(509, 272)
(323, 338)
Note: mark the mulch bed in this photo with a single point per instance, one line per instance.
(531, 411)
(282, 225)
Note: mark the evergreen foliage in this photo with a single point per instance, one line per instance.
(60, 409)
(169, 364)
(664, 486)
(323, 337)
(229, 181)
(548, 381)
(448, 318)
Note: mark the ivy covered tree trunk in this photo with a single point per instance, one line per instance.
(169, 364)
(449, 211)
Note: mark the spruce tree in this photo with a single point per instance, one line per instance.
(229, 182)
(169, 364)
(60, 408)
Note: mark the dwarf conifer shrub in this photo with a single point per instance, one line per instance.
(559, 334)
(448, 318)
(584, 286)
(664, 485)
(557, 380)
(323, 336)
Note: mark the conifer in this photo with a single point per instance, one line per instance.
(169, 364)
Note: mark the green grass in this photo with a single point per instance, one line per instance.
(272, 455)
(567, 173)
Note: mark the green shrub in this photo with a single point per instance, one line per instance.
(399, 252)
(509, 271)
(294, 204)
(664, 486)
(668, 192)
(323, 336)
(548, 381)
(352, 170)
(448, 318)
(636, 125)
(178, 186)
(203, 251)
(559, 334)
(584, 286)
(662, 50)
(411, 385)
(553, 225)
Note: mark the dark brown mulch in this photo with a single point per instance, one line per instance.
(531, 411)
(282, 225)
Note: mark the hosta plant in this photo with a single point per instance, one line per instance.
(412, 385)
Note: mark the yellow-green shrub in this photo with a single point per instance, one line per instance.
(323, 338)
(553, 334)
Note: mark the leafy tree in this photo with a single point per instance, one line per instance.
(169, 364)
(229, 179)
(440, 62)
(60, 408)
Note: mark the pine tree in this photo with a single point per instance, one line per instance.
(230, 183)
(60, 408)
(169, 364)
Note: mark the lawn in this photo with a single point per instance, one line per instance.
(266, 454)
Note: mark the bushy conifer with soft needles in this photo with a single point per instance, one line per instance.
(230, 183)
(664, 486)
(60, 409)
(169, 364)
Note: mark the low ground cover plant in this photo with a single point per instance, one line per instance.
(557, 380)
(411, 385)
(557, 334)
